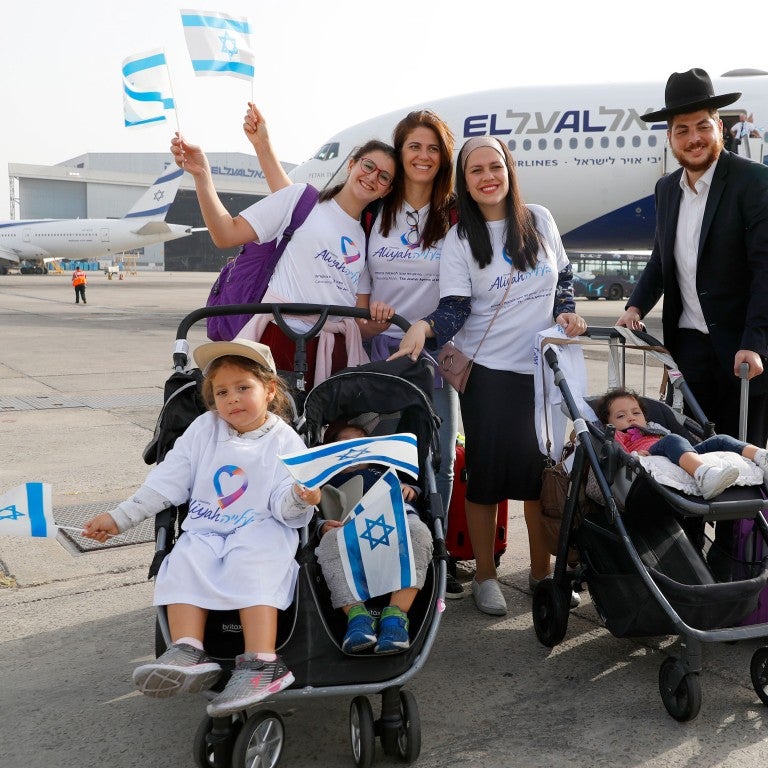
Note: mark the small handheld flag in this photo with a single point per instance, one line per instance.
(317, 466)
(147, 94)
(27, 511)
(375, 545)
(218, 44)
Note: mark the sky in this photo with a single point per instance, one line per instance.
(321, 67)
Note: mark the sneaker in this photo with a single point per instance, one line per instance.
(393, 631)
(761, 460)
(361, 631)
(712, 481)
(252, 681)
(575, 596)
(453, 588)
(488, 597)
(181, 669)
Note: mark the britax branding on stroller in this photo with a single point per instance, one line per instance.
(397, 396)
(641, 544)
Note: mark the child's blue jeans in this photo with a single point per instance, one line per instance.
(674, 446)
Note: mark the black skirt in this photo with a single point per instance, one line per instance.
(502, 450)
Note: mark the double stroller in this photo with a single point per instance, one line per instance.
(641, 547)
(397, 395)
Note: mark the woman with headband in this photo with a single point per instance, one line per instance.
(508, 256)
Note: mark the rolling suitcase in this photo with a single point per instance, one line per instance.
(457, 536)
(749, 549)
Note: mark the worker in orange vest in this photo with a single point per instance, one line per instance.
(79, 282)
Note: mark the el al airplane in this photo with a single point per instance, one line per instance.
(581, 150)
(43, 240)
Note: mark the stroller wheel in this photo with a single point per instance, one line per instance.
(758, 669)
(550, 612)
(361, 731)
(260, 741)
(405, 740)
(214, 750)
(680, 691)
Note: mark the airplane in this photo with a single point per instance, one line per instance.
(32, 243)
(580, 150)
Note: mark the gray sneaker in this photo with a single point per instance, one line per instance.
(181, 669)
(252, 681)
(488, 597)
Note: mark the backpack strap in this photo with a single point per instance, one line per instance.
(303, 207)
(370, 212)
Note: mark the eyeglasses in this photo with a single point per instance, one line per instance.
(384, 178)
(412, 236)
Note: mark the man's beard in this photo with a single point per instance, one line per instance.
(713, 152)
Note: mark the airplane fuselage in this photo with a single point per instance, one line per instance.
(582, 151)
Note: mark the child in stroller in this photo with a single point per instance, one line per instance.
(238, 551)
(361, 634)
(624, 410)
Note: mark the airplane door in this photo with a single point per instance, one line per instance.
(26, 234)
(105, 234)
(670, 163)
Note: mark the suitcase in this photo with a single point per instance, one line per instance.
(457, 536)
(748, 546)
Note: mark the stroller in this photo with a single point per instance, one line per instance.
(640, 544)
(310, 632)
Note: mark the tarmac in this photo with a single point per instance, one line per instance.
(80, 390)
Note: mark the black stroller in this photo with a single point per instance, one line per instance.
(310, 632)
(640, 544)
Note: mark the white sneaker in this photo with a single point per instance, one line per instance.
(761, 460)
(712, 481)
(488, 597)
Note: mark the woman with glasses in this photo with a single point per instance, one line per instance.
(405, 239)
(507, 255)
(322, 262)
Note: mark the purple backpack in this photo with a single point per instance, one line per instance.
(244, 280)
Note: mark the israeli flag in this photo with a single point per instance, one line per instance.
(147, 95)
(316, 466)
(27, 511)
(375, 543)
(218, 44)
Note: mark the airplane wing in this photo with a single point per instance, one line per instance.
(9, 255)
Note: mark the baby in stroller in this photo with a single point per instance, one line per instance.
(362, 635)
(624, 410)
(240, 535)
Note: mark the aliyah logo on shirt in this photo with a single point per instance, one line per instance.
(231, 472)
(349, 250)
(502, 281)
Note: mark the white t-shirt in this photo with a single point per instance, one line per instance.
(407, 277)
(529, 303)
(323, 260)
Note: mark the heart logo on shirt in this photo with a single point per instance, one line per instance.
(349, 250)
(230, 472)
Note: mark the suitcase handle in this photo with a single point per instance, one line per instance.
(743, 401)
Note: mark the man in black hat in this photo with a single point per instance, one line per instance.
(710, 258)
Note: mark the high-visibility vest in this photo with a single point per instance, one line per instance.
(78, 278)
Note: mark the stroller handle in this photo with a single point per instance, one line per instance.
(277, 311)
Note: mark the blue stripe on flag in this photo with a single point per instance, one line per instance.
(401, 524)
(150, 96)
(131, 123)
(37, 523)
(158, 60)
(355, 559)
(210, 65)
(216, 22)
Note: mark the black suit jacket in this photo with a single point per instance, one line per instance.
(732, 267)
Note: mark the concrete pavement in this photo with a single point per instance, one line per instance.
(80, 390)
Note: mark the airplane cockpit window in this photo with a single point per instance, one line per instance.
(327, 151)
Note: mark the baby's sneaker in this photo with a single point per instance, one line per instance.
(761, 460)
(712, 481)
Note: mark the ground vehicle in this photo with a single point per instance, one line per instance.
(606, 275)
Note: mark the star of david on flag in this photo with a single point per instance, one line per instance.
(27, 510)
(146, 89)
(218, 44)
(375, 543)
(317, 466)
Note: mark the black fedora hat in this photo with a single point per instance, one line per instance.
(689, 92)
